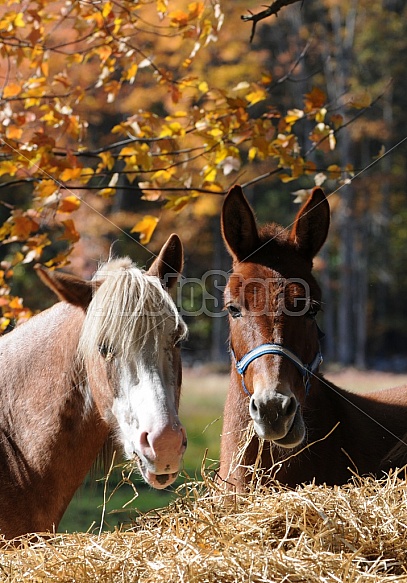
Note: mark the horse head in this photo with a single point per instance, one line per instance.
(130, 354)
(272, 299)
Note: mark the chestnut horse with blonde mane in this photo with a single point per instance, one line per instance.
(104, 361)
(304, 428)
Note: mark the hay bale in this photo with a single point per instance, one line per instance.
(354, 533)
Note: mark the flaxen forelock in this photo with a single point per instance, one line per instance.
(128, 307)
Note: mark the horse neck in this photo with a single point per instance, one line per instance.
(344, 430)
(347, 432)
(51, 432)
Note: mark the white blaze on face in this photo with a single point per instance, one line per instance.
(145, 409)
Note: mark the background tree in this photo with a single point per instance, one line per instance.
(121, 116)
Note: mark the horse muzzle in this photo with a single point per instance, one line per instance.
(278, 418)
(159, 455)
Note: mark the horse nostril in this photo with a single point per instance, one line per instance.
(253, 407)
(289, 407)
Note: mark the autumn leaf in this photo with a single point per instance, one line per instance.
(11, 90)
(162, 7)
(146, 227)
(314, 100)
(177, 203)
(293, 115)
(23, 226)
(107, 162)
(13, 132)
(69, 233)
(70, 174)
(46, 188)
(69, 204)
(8, 167)
(257, 94)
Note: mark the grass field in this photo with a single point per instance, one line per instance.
(201, 412)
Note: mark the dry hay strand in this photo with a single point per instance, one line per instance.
(354, 533)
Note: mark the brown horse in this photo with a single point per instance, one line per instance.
(323, 433)
(102, 361)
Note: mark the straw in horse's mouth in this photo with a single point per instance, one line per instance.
(282, 442)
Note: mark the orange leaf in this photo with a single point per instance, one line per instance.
(69, 204)
(23, 227)
(70, 233)
(315, 99)
(11, 90)
(14, 133)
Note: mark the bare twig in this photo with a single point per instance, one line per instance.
(269, 11)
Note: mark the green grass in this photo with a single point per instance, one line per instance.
(201, 413)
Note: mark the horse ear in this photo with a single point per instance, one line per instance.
(238, 224)
(68, 288)
(312, 224)
(169, 263)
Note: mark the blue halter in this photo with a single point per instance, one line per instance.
(306, 370)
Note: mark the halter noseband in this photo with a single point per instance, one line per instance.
(306, 370)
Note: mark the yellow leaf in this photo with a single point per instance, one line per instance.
(19, 20)
(107, 161)
(213, 186)
(46, 188)
(130, 73)
(107, 8)
(69, 204)
(172, 129)
(146, 228)
(8, 167)
(293, 115)
(70, 174)
(210, 174)
(177, 203)
(320, 115)
(107, 192)
(258, 94)
(162, 6)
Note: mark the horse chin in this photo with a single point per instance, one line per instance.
(157, 481)
(293, 437)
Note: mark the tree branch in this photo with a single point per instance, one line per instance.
(269, 11)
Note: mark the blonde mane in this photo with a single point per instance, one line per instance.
(128, 306)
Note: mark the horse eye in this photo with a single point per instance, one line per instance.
(234, 310)
(106, 352)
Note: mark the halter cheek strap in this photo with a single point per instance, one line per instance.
(306, 370)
